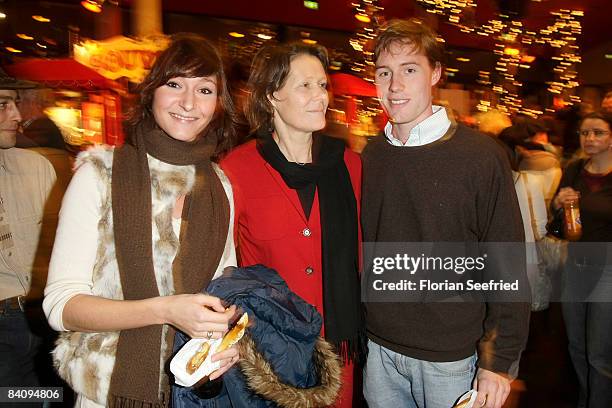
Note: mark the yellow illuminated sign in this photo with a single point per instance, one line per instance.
(120, 56)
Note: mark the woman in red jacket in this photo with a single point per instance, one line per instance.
(297, 194)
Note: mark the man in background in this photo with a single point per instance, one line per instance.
(26, 179)
(606, 103)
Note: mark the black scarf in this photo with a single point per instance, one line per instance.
(339, 246)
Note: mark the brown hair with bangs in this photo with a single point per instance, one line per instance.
(411, 32)
(269, 72)
(190, 56)
(605, 116)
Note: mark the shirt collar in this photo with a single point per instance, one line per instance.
(428, 131)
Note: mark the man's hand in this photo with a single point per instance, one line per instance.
(493, 389)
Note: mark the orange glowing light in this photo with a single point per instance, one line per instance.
(15, 50)
(309, 41)
(528, 58)
(236, 34)
(558, 103)
(92, 6)
(511, 51)
(41, 19)
(363, 18)
(25, 37)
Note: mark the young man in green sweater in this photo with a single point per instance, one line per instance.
(429, 180)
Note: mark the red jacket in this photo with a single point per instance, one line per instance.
(270, 226)
(271, 229)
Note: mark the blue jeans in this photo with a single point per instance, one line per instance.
(590, 347)
(392, 380)
(18, 347)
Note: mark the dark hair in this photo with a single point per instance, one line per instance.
(269, 72)
(606, 117)
(508, 139)
(410, 32)
(189, 56)
(515, 135)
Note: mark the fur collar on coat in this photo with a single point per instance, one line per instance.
(264, 382)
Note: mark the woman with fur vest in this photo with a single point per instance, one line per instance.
(143, 228)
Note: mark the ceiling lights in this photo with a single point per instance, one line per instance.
(513, 52)
(363, 18)
(312, 5)
(95, 6)
(41, 19)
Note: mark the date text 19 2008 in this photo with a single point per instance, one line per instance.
(31, 394)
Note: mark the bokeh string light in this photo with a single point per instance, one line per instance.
(512, 48)
(369, 16)
(458, 12)
(562, 37)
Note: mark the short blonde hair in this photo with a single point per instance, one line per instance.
(493, 122)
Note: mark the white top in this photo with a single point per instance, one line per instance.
(532, 205)
(76, 243)
(547, 180)
(428, 131)
(537, 204)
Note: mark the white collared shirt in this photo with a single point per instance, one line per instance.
(428, 131)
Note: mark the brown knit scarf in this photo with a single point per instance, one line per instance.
(135, 380)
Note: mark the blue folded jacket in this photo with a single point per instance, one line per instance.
(284, 361)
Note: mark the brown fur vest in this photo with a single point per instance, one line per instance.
(86, 360)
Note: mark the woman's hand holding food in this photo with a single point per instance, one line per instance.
(199, 315)
(227, 359)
